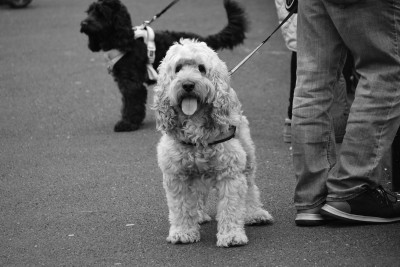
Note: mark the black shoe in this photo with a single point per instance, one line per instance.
(373, 206)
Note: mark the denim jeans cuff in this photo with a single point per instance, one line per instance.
(310, 206)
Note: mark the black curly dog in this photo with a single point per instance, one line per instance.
(108, 26)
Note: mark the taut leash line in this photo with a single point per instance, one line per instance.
(146, 23)
(263, 42)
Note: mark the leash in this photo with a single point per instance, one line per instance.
(263, 42)
(148, 22)
(289, 5)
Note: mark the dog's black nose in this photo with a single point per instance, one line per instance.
(188, 86)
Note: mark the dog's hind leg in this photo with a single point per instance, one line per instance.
(231, 210)
(183, 213)
(133, 106)
(255, 214)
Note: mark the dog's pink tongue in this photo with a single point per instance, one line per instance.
(189, 105)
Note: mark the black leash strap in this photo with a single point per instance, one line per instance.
(146, 23)
(258, 47)
(291, 5)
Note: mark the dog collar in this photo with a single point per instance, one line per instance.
(231, 134)
(112, 56)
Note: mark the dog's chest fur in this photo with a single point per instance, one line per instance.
(201, 162)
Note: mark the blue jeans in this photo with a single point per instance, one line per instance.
(370, 29)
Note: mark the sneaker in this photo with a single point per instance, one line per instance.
(372, 206)
(310, 217)
(287, 131)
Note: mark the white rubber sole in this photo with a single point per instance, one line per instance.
(353, 217)
(309, 217)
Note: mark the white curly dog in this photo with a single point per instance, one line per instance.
(205, 144)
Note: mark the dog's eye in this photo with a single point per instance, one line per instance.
(178, 68)
(202, 69)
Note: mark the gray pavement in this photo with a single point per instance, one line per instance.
(74, 193)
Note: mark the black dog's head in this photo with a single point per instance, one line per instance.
(108, 25)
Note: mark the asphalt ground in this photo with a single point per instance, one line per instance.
(74, 193)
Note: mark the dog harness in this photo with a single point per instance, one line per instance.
(112, 56)
(232, 131)
(147, 34)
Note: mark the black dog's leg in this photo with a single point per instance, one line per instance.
(134, 97)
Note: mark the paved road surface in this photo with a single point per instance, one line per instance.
(74, 193)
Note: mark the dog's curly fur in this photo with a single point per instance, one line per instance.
(108, 26)
(192, 70)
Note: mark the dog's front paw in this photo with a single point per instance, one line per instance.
(183, 237)
(259, 217)
(125, 126)
(233, 238)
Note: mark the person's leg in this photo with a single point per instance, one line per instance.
(320, 57)
(293, 69)
(339, 110)
(350, 75)
(373, 36)
(287, 132)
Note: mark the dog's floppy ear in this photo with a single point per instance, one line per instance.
(165, 115)
(121, 21)
(226, 105)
